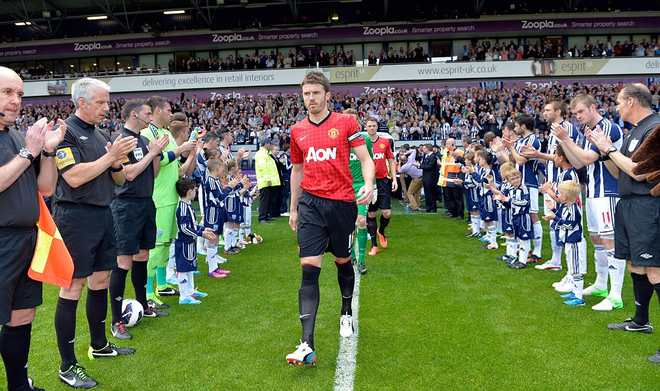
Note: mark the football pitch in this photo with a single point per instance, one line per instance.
(436, 312)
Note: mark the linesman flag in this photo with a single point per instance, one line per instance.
(52, 262)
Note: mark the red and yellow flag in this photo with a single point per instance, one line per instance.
(52, 262)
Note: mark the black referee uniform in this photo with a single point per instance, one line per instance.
(84, 219)
(637, 217)
(134, 215)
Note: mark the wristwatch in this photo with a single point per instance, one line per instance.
(48, 154)
(610, 150)
(26, 154)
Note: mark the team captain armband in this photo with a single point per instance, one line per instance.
(64, 158)
(354, 136)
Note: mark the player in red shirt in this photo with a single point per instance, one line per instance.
(323, 204)
(383, 158)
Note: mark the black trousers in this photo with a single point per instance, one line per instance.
(431, 195)
(276, 201)
(265, 201)
(454, 204)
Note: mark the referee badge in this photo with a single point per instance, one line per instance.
(137, 152)
(333, 133)
(64, 158)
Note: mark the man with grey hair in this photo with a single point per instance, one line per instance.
(89, 167)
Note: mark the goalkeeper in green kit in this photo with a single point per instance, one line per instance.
(358, 182)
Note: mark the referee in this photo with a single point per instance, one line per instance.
(637, 218)
(26, 166)
(89, 168)
(134, 214)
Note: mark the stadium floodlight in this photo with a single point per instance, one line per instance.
(23, 24)
(175, 12)
(98, 17)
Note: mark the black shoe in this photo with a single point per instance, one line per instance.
(76, 377)
(110, 350)
(459, 218)
(169, 291)
(153, 305)
(362, 268)
(447, 214)
(630, 325)
(271, 218)
(118, 330)
(151, 312)
(264, 221)
(32, 387)
(655, 358)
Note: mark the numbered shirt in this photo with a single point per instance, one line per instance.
(324, 150)
(143, 185)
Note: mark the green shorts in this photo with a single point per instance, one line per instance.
(362, 209)
(166, 228)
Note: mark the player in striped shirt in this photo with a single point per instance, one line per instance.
(567, 216)
(524, 127)
(554, 112)
(323, 204)
(602, 197)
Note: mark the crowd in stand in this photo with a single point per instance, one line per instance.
(407, 114)
(549, 48)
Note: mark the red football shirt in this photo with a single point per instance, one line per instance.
(382, 152)
(324, 151)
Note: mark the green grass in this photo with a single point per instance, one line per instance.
(436, 313)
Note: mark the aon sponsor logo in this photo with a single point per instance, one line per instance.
(319, 155)
(378, 156)
(354, 158)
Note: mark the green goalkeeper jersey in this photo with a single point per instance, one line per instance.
(356, 166)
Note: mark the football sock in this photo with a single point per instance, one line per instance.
(65, 331)
(117, 288)
(578, 285)
(184, 284)
(346, 278)
(492, 235)
(656, 288)
(97, 311)
(212, 256)
(372, 226)
(582, 255)
(308, 301)
(476, 222)
(154, 257)
(353, 256)
(234, 237)
(200, 243)
(643, 290)
(139, 279)
(384, 222)
(14, 349)
(602, 272)
(511, 247)
(161, 278)
(150, 285)
(362, 243)
(556, 250)
(617, 271)
(524, 250)
(538, 238)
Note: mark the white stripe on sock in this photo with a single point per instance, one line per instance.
(346, 359)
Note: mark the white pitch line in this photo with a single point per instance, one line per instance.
(346, 360)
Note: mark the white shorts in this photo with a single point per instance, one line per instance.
(533, 199)
(600, 216)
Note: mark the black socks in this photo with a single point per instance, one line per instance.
(65, 330)
(139, 279)
(643, 291)
(346, 278)
(97, 312)
(15, 348)
(372, 226)
(308, 301)
(117, 288)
